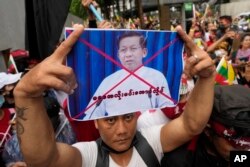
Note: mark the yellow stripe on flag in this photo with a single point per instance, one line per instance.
(231, 74)
(225, 73)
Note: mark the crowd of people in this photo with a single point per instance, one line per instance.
(207, 123)
(223, 39)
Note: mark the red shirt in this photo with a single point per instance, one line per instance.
(4, 124)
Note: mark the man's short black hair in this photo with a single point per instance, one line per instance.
(226, 17)
(143, 41)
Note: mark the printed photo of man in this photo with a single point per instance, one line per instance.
(135, 87)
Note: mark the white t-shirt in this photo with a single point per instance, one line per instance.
(122, 93)
(89, 150)
(151, 118)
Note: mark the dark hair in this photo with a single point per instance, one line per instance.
(226, 17)
(242, 39)
(244, 36)
(232, 108)
(143, 41)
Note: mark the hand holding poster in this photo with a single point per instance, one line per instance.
(123, 71)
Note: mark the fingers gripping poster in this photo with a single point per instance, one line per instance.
(124, 71)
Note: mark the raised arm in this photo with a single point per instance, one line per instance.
(229, 34)
(34, 130)
(199, 106)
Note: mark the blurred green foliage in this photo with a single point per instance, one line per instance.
(77, 9)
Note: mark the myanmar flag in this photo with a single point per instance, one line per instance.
(12, 65)
(225, 73)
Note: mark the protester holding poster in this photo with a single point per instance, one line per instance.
(117, 132)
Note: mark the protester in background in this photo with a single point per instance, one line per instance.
(186, 88)
(210, 29)
(225, 34)
(241, 58)
(7, 84)
(227, 130)
(63, 133)
(243, 53)
(225, 23)
(197, 34)
(211, 38)
(5, 117)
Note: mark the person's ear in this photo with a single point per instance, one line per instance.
(96, 124)
(145, 52)
(119, 57)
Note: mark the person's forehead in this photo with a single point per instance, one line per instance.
(247, 37)
(224, 21)
(119, 116)
(130, 39)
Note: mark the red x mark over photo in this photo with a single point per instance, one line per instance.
(130, 73)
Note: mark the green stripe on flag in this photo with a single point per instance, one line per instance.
(223, 71)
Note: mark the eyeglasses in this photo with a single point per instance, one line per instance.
(131, 49)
